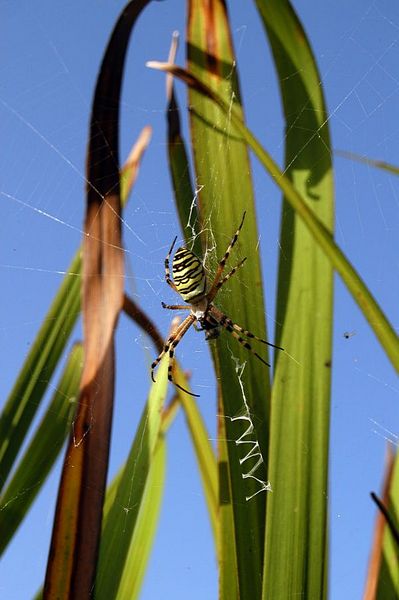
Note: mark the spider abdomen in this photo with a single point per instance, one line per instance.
(188, 274)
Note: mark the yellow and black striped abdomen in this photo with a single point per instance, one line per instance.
(188, 274)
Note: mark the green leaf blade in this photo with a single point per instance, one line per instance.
(121, 516)
(223, 176)
(296, 521)
(145, 529)
(39, 365)
(42, 451)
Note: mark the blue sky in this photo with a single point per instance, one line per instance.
(51, 53)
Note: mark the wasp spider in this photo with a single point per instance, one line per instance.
(189, 281)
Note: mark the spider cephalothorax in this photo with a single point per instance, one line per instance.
(189, 281)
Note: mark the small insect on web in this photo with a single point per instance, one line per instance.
(189, 281)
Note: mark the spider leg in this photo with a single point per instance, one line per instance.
(216, 288)
(170, 346)
(180, 333)
(175, 306)
(224, 320)
(173, 339)
(222, 263)
(167, 269)
(243, 342)
(170, 370)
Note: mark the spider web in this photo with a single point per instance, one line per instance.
(45, 101)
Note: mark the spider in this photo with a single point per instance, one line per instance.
(189, 281)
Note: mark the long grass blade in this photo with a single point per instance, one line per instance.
(296, 520)
(77, 527)
(222, 170)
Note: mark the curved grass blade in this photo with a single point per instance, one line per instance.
(223, 174)
(361, 294)
(50, 342)
(296, 520)
(77, 526)
(40, 455)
